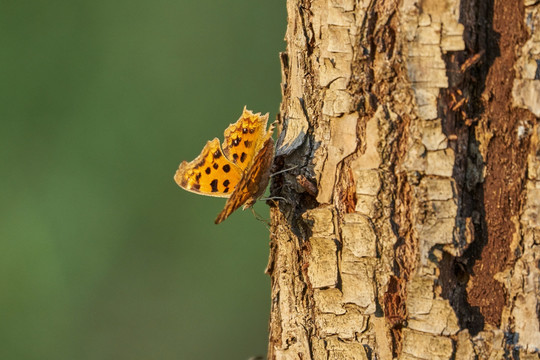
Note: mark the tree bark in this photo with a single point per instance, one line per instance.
(411, 224)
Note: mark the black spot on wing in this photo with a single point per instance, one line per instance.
(215, 166)
(243, 157)
(217, 154)
(235, 157)
(198, 177)
(207, 171)
(226, 183)
(244, 130)
(226, 190)
(196, 186)
(214, 184)
(251, 131)
(236, 141)
(248, 143)
(226, 168)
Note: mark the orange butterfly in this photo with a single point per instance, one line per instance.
(239, 170)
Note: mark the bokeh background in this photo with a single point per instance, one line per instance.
(102, 256)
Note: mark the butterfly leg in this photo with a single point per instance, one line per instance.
(259, 217)
(284, 170)
(274, 198)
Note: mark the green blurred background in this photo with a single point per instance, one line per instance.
(102, 255)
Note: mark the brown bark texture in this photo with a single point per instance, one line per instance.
(410, 227)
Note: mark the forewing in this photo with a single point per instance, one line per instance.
(211, 173)
(245, 138)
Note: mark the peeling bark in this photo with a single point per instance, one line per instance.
(411, 223)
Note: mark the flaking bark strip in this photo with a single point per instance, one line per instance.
(526, 86)
(289, 311)
(524, 320)
(523, 278)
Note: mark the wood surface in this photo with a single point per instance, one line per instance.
(410, 225)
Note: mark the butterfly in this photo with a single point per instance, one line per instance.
(239, 169)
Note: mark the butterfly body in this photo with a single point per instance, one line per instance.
(238, 170)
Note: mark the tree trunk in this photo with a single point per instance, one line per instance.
(411, 226)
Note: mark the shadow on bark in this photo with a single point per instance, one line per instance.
(469, 83)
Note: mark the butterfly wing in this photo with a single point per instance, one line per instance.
(245, 138)
(211, 173)
(253, 181)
